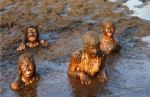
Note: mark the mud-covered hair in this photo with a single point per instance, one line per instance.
(91, 38)
(28, 57)
(26, 33)
(108, 21)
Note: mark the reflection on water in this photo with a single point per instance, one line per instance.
(56, 83)
(94, 90)
(29, 91)
(49, 36)
(139, 8)
(147, 40)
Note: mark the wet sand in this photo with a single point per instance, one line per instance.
(62, 23)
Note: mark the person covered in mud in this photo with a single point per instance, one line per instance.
(108, 43)
(32, 39)
(88, 62)
(27, 72)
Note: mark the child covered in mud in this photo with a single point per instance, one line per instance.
(32, 39)
(109, 44)
(89, 61)
(27, 72)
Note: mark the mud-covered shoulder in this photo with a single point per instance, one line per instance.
(17, 84)
(77, 55)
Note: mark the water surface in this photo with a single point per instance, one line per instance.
(139, 8)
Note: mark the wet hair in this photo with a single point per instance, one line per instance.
(108, 21)
(91, 38)
(28, 57)
(26, 33)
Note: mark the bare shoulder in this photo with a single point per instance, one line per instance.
(37, 77)
(74, 60)
(77, 54)
(15, 85)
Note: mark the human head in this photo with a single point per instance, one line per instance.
(27, 67)
(108, 28)
(31, 34)
(91, 42)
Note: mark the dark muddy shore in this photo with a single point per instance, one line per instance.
(62, 23)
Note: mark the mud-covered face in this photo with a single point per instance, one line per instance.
(108, 30)
(27, 69)
(31, 34)
(92, 50)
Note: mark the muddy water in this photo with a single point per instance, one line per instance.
(127, 70)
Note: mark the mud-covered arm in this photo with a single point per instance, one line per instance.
(76, 72)
(21, 46)
(44, 43)
(110, 51)
(103, 58)
(115, 47)
(101, 74)
(72, 70)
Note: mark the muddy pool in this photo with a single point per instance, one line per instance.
(128, 70)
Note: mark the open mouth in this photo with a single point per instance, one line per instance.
(27, 72)
(32, 38)
(109, 34)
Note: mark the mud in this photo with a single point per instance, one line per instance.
(62, 23)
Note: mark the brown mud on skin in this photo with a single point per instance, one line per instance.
(128, 70)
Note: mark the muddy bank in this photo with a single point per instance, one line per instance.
(62, 23)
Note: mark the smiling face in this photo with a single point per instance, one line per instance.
(91, 49)
(91, 43)
(93, 60)
(31, 34)
(108, 30)
(27, 68)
